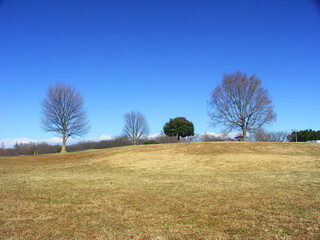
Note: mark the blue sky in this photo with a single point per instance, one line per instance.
(159, 57)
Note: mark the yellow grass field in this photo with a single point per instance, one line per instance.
(219, 190)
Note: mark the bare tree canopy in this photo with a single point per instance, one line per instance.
(135, 127)
(240, 102)
(63, 112)
(262, 135)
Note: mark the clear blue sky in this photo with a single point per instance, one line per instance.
(159, 57)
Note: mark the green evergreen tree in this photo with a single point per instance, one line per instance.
(304, 135)
(179, 127)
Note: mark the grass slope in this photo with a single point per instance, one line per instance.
(167, 191)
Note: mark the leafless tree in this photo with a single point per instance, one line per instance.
(264, 136)
(135, 127)
(3, 148)
(63, 113)
(209, 137)
(163, 138)
(280, 136)
(240, 102)
(195, 138)
(261, 135)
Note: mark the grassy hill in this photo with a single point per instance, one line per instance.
(226, 190)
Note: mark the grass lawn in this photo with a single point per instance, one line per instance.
(219, 190)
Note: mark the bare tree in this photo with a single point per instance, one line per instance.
(210, 137)
(3, 148)
(135, 127)
(261, 135)
(163, 138)
(240, 102)
(280, 136)
(264, 136)
(195, 138)
(63, 113)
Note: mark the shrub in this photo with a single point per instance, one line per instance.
(57, 149)
(150, 142)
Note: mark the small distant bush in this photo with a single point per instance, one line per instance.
(57, 149)
(151, 142)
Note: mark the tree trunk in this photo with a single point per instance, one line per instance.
(64, 141)
(244, 134)
(178, 137)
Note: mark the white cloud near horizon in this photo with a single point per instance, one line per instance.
(217, 135)
(101, 138)
(105, 137)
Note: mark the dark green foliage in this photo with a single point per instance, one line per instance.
(150, 142)
(179, 127)
(57, 149)
(304, 135)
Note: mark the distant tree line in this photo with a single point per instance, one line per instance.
(30, 149)
(259, 135)
(304, 136)
(45, 148)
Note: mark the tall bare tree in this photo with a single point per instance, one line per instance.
(240, 102)
(135, 127)
(63, 113)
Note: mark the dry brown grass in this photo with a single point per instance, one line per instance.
(172, 191)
